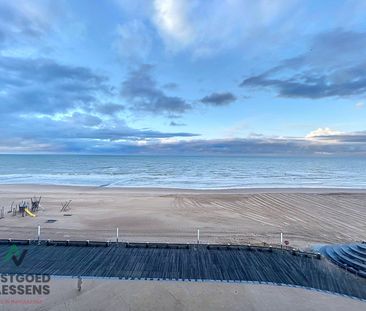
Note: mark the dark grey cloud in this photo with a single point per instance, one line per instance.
(218, 99)
(142, 93)
(50, 106)
(45, 86)
(84, 119)
(252, 146)
(351, 144)
(77, 126)
(334, 66)
(78, 131)
(23, 21)
(43, 70)
(67, 136)
(109, 108)
(170, 86)
(173, 123)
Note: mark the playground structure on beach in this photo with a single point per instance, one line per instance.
(23, 208)
(29, 212)
(31, 207)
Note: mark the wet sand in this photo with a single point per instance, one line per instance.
(305, 216)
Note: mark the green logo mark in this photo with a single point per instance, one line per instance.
(14, 254)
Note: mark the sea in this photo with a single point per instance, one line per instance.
(187, 172)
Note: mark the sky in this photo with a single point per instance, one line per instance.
(185, 77)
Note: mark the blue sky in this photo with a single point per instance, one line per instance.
(236, 77)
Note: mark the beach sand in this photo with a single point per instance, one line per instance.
(305, 216)
(171, 295)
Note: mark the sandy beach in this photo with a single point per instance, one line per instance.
(305, 216)
(171, 295)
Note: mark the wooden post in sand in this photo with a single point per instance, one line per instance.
(198, 236)
(39, 234)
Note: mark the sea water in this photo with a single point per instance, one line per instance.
(196, 172)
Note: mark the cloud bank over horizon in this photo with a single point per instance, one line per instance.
(320, 142)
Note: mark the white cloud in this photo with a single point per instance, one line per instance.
(207, 27)
(168, 140)
(172, 22)
(326, 131)
(360, 105)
